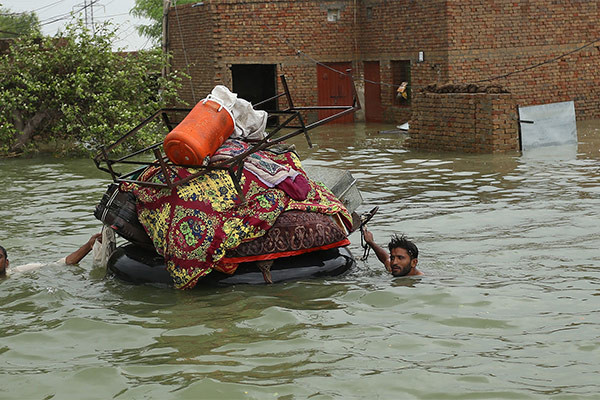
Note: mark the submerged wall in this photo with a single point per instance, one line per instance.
(478, 122)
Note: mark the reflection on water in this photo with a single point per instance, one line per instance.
(507, 308)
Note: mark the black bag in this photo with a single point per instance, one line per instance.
(117, 209)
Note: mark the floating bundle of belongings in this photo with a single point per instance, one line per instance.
(213, 224)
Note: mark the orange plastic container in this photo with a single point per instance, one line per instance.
(200, 134)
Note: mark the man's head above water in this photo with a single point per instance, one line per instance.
(404, 256)
(403, 242)
(3, 261)
(71, 259)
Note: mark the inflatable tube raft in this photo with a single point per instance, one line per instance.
(139, 265)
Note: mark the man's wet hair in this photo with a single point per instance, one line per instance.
(403, 243)
(3, 250)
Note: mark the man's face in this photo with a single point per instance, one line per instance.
(400, 262)
(3, 263)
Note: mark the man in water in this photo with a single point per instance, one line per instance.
(71, 259)
(403, 257)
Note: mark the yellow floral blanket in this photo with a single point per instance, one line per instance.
(194, 224)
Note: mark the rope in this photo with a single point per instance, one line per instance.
(349, 75)
(364, 245)
(312, 59)
(364, 219)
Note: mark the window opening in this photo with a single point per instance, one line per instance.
(333, 14)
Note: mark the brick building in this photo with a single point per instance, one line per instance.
(246, 44)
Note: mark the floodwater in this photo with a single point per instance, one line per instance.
(508, 308)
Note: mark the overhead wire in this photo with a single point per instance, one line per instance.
(127, 33)
(32, 11)
(60, 16)
(551, 60)
(69, 15)
(77, 9)
(148, 41)
(110, 16)
(26, 13)
(48, 6)
(394, 85)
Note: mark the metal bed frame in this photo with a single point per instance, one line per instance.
(292, 119)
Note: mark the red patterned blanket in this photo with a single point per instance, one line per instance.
(195, 225)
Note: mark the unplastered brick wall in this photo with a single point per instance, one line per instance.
(477, 122)
(465, 41)
(290, 34)
(493, 39)
(399, 30)
(191, 42)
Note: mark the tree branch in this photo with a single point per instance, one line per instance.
(27, 129)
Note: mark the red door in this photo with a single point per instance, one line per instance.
(373, 109)
(335, 89)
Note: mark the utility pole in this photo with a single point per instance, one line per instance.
(85, 6)
(88, 13)
(92, 16)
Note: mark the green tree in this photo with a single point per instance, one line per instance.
(13, 24)
(74, 89)
(152, 10)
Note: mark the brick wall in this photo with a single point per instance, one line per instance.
(495, 38)
(192, 43)
(260, 32)
(398, 30)
(462, 40)
(464, 122)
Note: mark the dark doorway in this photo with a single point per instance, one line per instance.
(335, 89)
(373, 109)
(255, 83)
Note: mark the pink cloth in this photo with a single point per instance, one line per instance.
(297, 188)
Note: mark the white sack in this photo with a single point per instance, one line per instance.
(249, 123)
(223, 96)
(102, 250)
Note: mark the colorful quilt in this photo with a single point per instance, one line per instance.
(194, 225)
(294, 233)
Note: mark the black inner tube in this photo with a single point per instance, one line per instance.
(138, 265)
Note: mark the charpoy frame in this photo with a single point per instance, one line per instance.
(292, 119)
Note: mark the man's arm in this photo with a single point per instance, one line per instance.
(83, 251)
(382, 255)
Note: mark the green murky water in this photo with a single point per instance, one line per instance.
(509, 307)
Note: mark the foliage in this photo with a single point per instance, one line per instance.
(73, 88)
(13, 24)
(152, 10)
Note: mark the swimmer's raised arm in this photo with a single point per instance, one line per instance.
(83, 251)
(380, 252)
